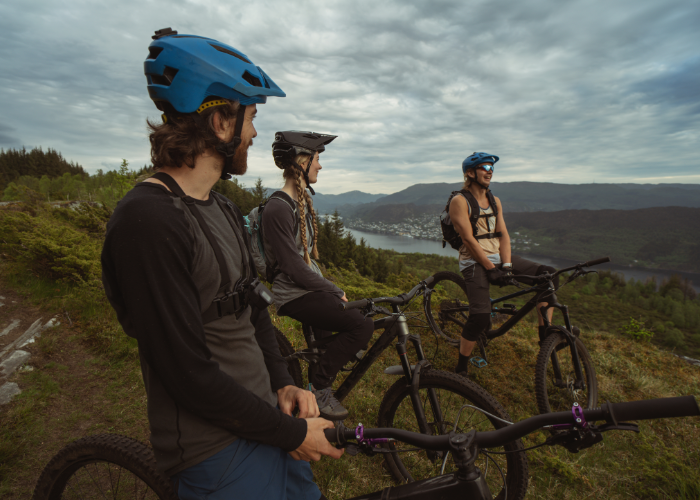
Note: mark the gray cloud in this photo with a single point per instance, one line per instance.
(6, 139)
(574, 91)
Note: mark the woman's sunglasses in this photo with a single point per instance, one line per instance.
(486, 167)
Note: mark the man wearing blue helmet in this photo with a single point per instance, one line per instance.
(484, 254)
(178, 271)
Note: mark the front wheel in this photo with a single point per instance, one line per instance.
(556, 385)
(447, 310)
(443, 397)
(103, 466)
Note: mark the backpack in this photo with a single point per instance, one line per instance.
(253, 224)
(450, 234)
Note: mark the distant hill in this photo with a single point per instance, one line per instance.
(661, 237)
(327, 203)
(547, 197)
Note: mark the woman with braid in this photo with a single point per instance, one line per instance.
(301, 292)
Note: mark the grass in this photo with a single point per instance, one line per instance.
(87, 380)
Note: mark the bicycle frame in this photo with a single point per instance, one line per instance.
(395, 326)
(517, 315)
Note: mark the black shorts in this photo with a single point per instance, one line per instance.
(478, 283)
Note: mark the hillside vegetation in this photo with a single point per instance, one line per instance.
(86, 376)
(15, 163)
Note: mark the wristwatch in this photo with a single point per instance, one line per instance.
(508, 266)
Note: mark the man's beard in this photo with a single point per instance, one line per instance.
(239, 164)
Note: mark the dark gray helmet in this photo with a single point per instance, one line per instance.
(291, 143)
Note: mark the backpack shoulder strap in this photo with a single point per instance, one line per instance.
(492, 202)
(294, 210)
(192, 206)
(474, 209)
(235, 218)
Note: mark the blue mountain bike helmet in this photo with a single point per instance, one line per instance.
(477, 159)
(185, 70)
(288, 145)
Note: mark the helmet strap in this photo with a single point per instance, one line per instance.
(476, 180)
(228, 149)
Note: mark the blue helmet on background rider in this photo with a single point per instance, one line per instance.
(476, 159)
(184, 71)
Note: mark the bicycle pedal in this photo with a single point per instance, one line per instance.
(478, 362)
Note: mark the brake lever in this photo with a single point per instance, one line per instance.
(619, 427)
(576, 439)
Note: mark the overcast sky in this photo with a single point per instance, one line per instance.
(562, 91)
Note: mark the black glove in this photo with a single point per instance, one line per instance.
(497, 277)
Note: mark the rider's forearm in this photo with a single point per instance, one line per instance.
(505, 249)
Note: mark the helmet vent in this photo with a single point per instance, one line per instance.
(231, 53)
(166, 79)
(253, 80)
(153, 52)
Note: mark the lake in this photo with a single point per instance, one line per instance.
(405, 244)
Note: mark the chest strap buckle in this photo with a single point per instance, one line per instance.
(231, 303)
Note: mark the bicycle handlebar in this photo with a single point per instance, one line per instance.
(399, 300)
(684, 406)
(545, 277)
(595, 262)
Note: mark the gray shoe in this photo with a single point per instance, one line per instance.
(328, 405)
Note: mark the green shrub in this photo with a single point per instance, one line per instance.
(50, 247)
(675, 339)
(636, 330)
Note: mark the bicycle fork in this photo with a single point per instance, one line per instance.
(413, 378)
(580, 382)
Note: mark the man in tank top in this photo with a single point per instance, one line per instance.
(484, 257)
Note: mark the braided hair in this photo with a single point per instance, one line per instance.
(303, 196)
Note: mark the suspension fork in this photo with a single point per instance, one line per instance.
(580, 382)
(413, 378)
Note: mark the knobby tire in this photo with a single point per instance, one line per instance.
(103, 466)
(453, 391)
(444, 323)
(550, 397)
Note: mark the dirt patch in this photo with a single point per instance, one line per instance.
(16, 315)
(68, 392)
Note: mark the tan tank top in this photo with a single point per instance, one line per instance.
(485, 225)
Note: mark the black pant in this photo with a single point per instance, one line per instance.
(322, 312)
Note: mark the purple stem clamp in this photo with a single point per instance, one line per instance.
(579, 419)
(360, 436)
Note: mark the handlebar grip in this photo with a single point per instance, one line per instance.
(595, 262)
(683, 406)
(331, 435)
(429, 280)
(355, 304)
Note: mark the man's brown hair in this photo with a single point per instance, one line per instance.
(182, 138)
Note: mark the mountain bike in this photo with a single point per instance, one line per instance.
(423, 399)
(564, 371)
(64, 477)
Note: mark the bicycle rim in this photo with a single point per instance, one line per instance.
(105, 466)
(556, 390)
(447, 308)
(453, 392)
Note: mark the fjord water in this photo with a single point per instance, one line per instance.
(404, 244)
